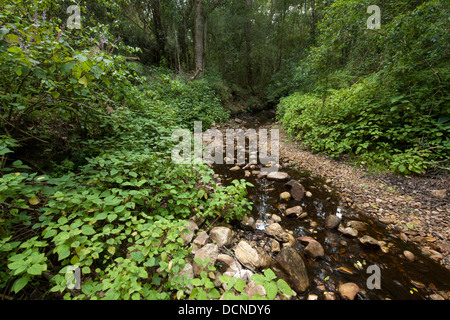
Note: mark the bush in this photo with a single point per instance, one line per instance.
(195, 100)
(383, 98)
(372, 121)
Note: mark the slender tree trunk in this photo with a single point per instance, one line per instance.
(248, 45)
(199, 34)
(313, 22)
(158, 29)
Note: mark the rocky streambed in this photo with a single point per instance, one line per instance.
(301, 228)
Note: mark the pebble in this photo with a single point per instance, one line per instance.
(285, 196)
(409, 255)
(276, 218)
(348, 290)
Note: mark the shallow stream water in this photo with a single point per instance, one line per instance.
(345, 260)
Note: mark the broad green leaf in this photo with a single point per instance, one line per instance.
(196, 282)
(63, 251)
(14, 49)
(20, 283)
(87, 230)
(258, 278)
(284, 287)
(112, 217)
(214, 293)
(36, 269)
(240, 285)
(270, 275)
(271, 289)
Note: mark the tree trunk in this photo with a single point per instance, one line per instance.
(199, 34)
(248, 45)
(158, 29)
(313, 22)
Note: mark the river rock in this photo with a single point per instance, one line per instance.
(297, 211)
(314, 249)
(243, 274)
(188, 233)
(368, 241)
(248, 223)
(292, 241)
(292, 264)
(297, 190)
(348, 290)
(308, 194)
(210, 251)
(285, 196)
(358, 225)
(265, 260)
(201, 239)
(276, 231)
(278, 176)
(252, 288)
(272, 245)
(436, 296)
(247, 255)
(332, 221)
(349, 231)
(228, 263)
(330, 295)
(276, 218)
(221, 235)
(409, 255)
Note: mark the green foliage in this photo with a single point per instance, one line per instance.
(52, 76)
(205, 289)
(195, 100)
(395, 116)
(116, 209)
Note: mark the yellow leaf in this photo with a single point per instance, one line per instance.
(83, 81)
(17, 174)
(74, 260)
(112, 250)
(34, 201)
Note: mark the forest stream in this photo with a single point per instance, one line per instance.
(345, 258)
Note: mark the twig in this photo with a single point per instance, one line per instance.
(24, 132)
